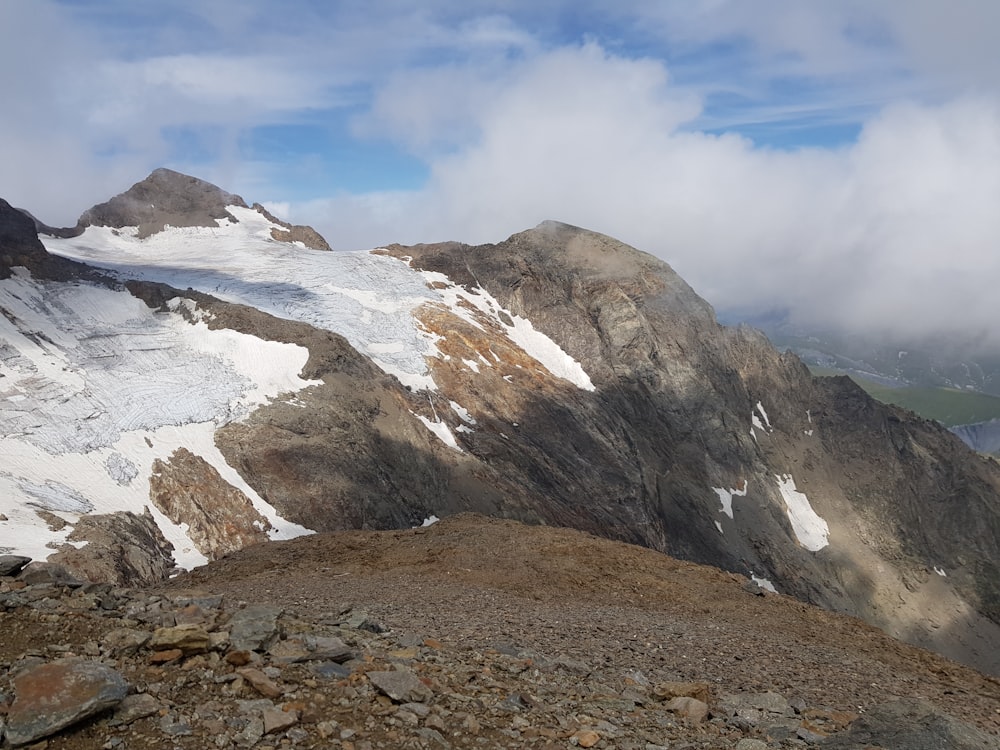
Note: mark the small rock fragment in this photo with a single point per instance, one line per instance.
(401, 685)
(688, 708)
(276, 720)
(586, 737)
(189, 638)
(260, 682)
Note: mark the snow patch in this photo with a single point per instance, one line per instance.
(811, 531)
(429, 521)
(442, 431)
(462, 413)
(940, 572)
(726, 498)
(763, 583)
(760, 408)
(719, 527)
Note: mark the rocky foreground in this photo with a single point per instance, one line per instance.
(468, 633)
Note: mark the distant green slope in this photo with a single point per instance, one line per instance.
(949, 406)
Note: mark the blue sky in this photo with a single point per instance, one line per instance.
(834, 159)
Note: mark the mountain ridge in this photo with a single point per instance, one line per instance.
(561, 377)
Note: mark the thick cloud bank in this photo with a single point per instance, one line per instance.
(677, 127)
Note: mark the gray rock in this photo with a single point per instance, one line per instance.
(310, 648)
(125, 641)
(53, 696)
(251, 733)
(910, 724)
(40, 572)
(165, 197)
(134, 707)
(254, 628)
(402, 686)
(10, 565)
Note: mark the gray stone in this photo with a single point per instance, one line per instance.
(330, 669)
(251, 733)
(53, 696)
(134, 707)
(402, 686)
(254, 628)
(10, 565)
(310, 648)
(125, 641)
(910, 724)
(38, 572)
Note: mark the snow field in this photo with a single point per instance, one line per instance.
(96, 386)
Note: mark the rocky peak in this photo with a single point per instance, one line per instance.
(165, 197)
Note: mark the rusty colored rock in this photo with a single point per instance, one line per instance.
(53, 696)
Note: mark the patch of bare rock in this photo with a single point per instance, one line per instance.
(405, 641)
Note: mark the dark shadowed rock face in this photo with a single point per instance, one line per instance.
(165, 197)
(20, 247)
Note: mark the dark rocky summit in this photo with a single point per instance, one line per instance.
(165, 197)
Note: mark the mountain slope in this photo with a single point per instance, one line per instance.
(558, 377)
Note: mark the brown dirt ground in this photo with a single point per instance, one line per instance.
(474, 582)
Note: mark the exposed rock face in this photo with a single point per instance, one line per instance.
(165, 197)
(220, 518)
(43, 228)
(911, 725)
(671, 420)
(19, 246)
(121, 548)
(293, 232)
(18, 239)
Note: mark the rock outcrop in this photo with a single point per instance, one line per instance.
(164, 198)
(219, 518)
(19, 247)
(293, 232)
(121, 548)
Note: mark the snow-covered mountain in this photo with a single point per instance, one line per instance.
(182, 375)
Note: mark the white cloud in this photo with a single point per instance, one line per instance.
(898, 230)
(518, 120)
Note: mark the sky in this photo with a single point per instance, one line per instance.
(833, 164)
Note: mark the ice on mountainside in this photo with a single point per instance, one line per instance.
(96, 386)
(366, 297)
(726, 497)
(811, 531)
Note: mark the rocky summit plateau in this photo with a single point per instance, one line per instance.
(189, 383)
